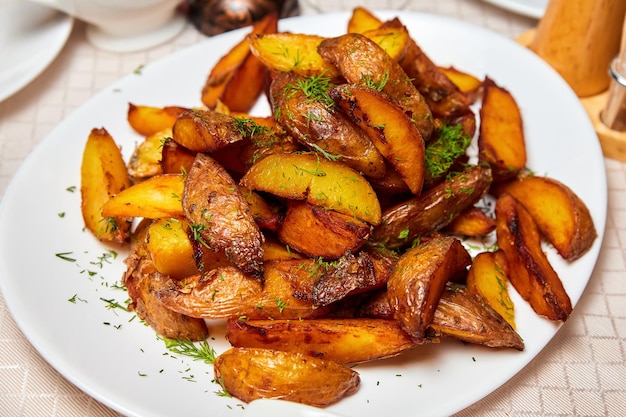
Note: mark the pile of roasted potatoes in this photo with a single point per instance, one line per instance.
(329, 232)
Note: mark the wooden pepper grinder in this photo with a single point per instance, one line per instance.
(580, 39)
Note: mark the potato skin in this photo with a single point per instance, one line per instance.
(389, 128)
(436, 208)
(250, 374)
(465, 316)
(345, 340)
(360, 59)
(205, 130)
(530, 271)
(562, 217)
(444, 98)
(315, 123)
(286, 293)
(143, 282)
(220, 217)
(419, 278)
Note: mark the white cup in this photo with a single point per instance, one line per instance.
(124, 25)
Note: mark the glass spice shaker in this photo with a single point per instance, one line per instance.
(212, 17)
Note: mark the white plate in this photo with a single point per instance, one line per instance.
(31, 36)
(121, 362)
(531, 8)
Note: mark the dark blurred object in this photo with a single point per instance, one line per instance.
(212, 17)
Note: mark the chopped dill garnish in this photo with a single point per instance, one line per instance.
(200, 351)
(314, 88)
(452, 143)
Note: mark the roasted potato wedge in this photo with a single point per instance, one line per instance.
(238, 78)
(155, 198)
(250, 374)
(220, 217)
(488, 278)
(465, 316)
(530, 271)
(348, 275)
(501, 142)
(172, 253)
(264, 215)
(361, 61)
(149, 120)
(562, 217)
(471, 222)
(460, 314)
(205, 130)
(389, 128)
(103, 175)
(286, 293)
(219, 293)
(146, 159)
(297, 52)
(420, 215)
(362, 20)
(442, 96)
(291, 52)
(142, 282)
(329, 234)
(311, 177)
(304, 109)
(394, 40)
(419, 278)
(175, 159)
(466, 82)
(275, 250)
(347, 340)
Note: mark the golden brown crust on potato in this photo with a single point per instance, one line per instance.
(205, 130)
(311, 177)
(143, 281)
(466, 317)
(148, 120)
(250, 374)
(501, 142)
(362, 61)
(346, 340)
(389, 129)
(403, 223)
(329, 234)
(238, 78)
(488, 278)
(530, 271)
(419, 278)
(219, 216)
(303, 108)
(562, 217)
(443, 97)
(103, 175)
